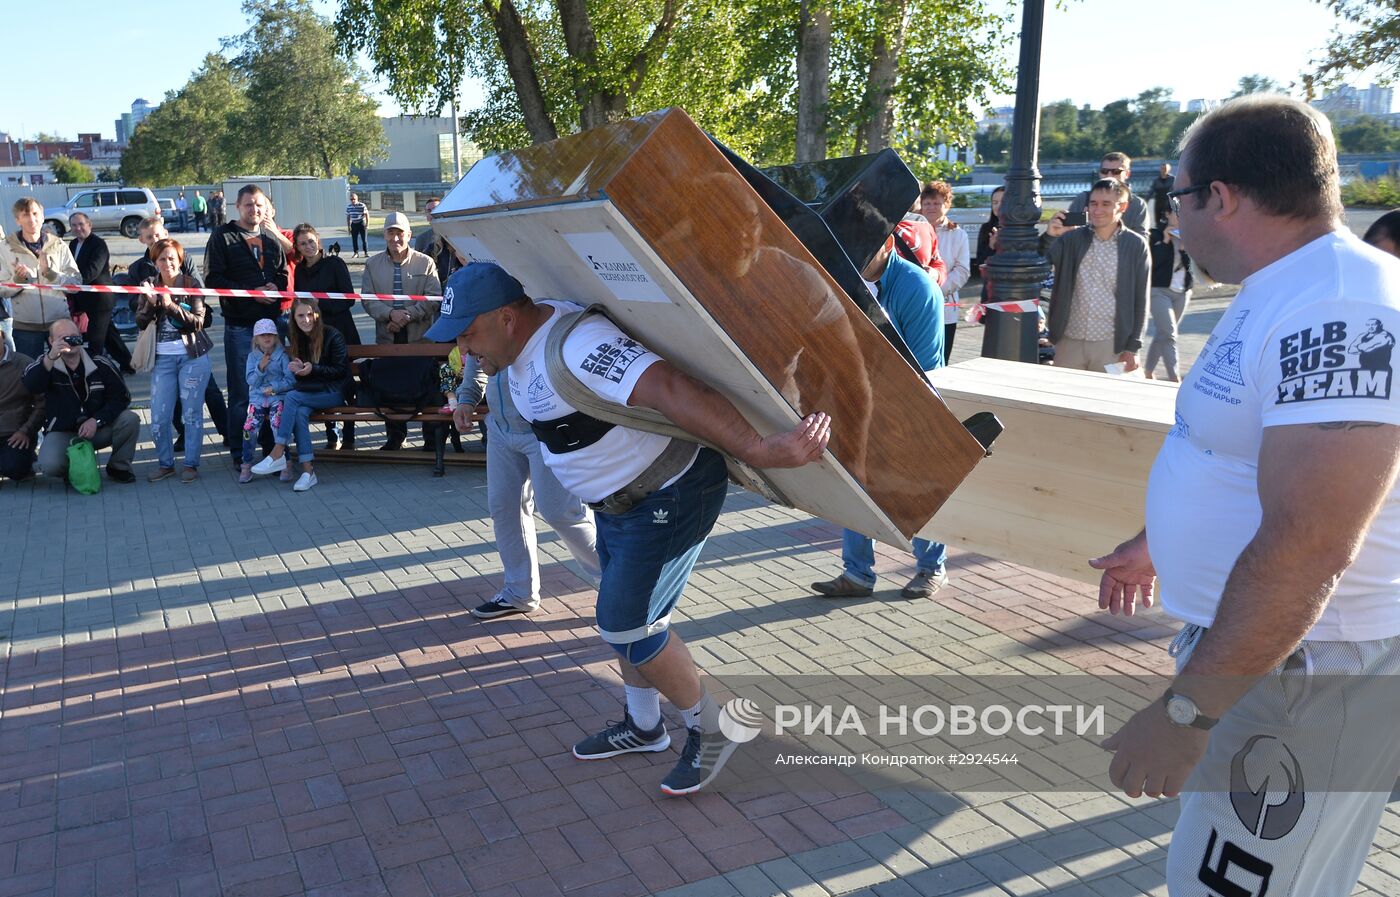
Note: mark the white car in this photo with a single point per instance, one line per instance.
(109, 208)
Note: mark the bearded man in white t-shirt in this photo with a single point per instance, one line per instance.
(655, 498)
(1274, 525)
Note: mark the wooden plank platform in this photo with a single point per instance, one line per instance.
(1067, 480)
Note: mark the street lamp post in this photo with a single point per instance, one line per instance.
(1017, 270)
(456, 141)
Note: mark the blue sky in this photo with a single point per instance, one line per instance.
(1199, 48)
(116, 52)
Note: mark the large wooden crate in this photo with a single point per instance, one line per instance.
(647, 217)
(1067, 480)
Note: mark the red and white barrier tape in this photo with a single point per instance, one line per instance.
(205, 291)
(978, 311)
(1019, 306)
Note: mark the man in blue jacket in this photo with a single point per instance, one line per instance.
(915, 307)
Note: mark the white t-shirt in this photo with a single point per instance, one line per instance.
(609, 363)
(1307, 340)
(952, 245)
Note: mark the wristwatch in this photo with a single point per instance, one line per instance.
(1182, 711)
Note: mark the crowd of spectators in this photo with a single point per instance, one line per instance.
(62, 375)
(63, 363)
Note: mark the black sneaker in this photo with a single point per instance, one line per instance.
(120, 475)
(622, 738)
(701, 760)
(500, 607)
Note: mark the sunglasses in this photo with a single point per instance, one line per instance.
(1111, 172)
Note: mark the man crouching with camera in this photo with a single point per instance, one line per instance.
(84, 398)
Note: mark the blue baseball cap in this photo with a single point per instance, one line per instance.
(474, 289)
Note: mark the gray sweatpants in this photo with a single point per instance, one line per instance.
(1168, 307)
(518, 483)
(120, 435)
(1295, 778)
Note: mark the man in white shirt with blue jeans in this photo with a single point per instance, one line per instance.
(1272, 521)
(655, 498)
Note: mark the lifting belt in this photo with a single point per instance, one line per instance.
(570, 432)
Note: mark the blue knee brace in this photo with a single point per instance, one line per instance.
(639, 652)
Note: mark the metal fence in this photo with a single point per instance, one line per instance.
(318, 201)
(49, 195)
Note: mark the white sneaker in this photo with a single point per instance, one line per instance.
(270, 465)
(305, 482)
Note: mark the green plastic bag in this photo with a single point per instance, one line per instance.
(82, 467)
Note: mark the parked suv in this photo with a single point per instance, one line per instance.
(110, 208)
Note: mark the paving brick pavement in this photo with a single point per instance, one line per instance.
(213, 689)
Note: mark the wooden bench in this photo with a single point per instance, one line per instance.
(369, 414)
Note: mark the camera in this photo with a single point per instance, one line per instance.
(73, 341)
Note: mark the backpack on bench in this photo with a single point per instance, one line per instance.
(401, 386)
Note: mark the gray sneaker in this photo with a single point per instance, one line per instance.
(623, 738)
(701, 760)
(925, 584)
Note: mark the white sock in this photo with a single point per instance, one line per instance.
(703, 716)
(644, 705)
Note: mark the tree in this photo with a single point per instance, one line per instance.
(1146, 125)
(310, 109)
(994, 144)
(1090, 120)
(108, 175)
(548, 59)
(195, 136)
(46, 137)
(69, 171)
(813, 78)
(907, 72)
(1059, 117)
(1372, 40)
(1256, 84)
(896, 72)
(1154, 120)
(1119, 120)
(1367, 134)
(891, 26)
(1183, 121)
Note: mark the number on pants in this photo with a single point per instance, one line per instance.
(1217, 878)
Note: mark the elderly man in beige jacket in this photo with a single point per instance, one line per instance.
(401, 270)
(31, 256)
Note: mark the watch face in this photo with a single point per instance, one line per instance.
(1181, 711)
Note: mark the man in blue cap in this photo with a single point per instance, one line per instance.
(655, 498)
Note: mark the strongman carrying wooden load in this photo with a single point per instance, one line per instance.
(714, 316)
